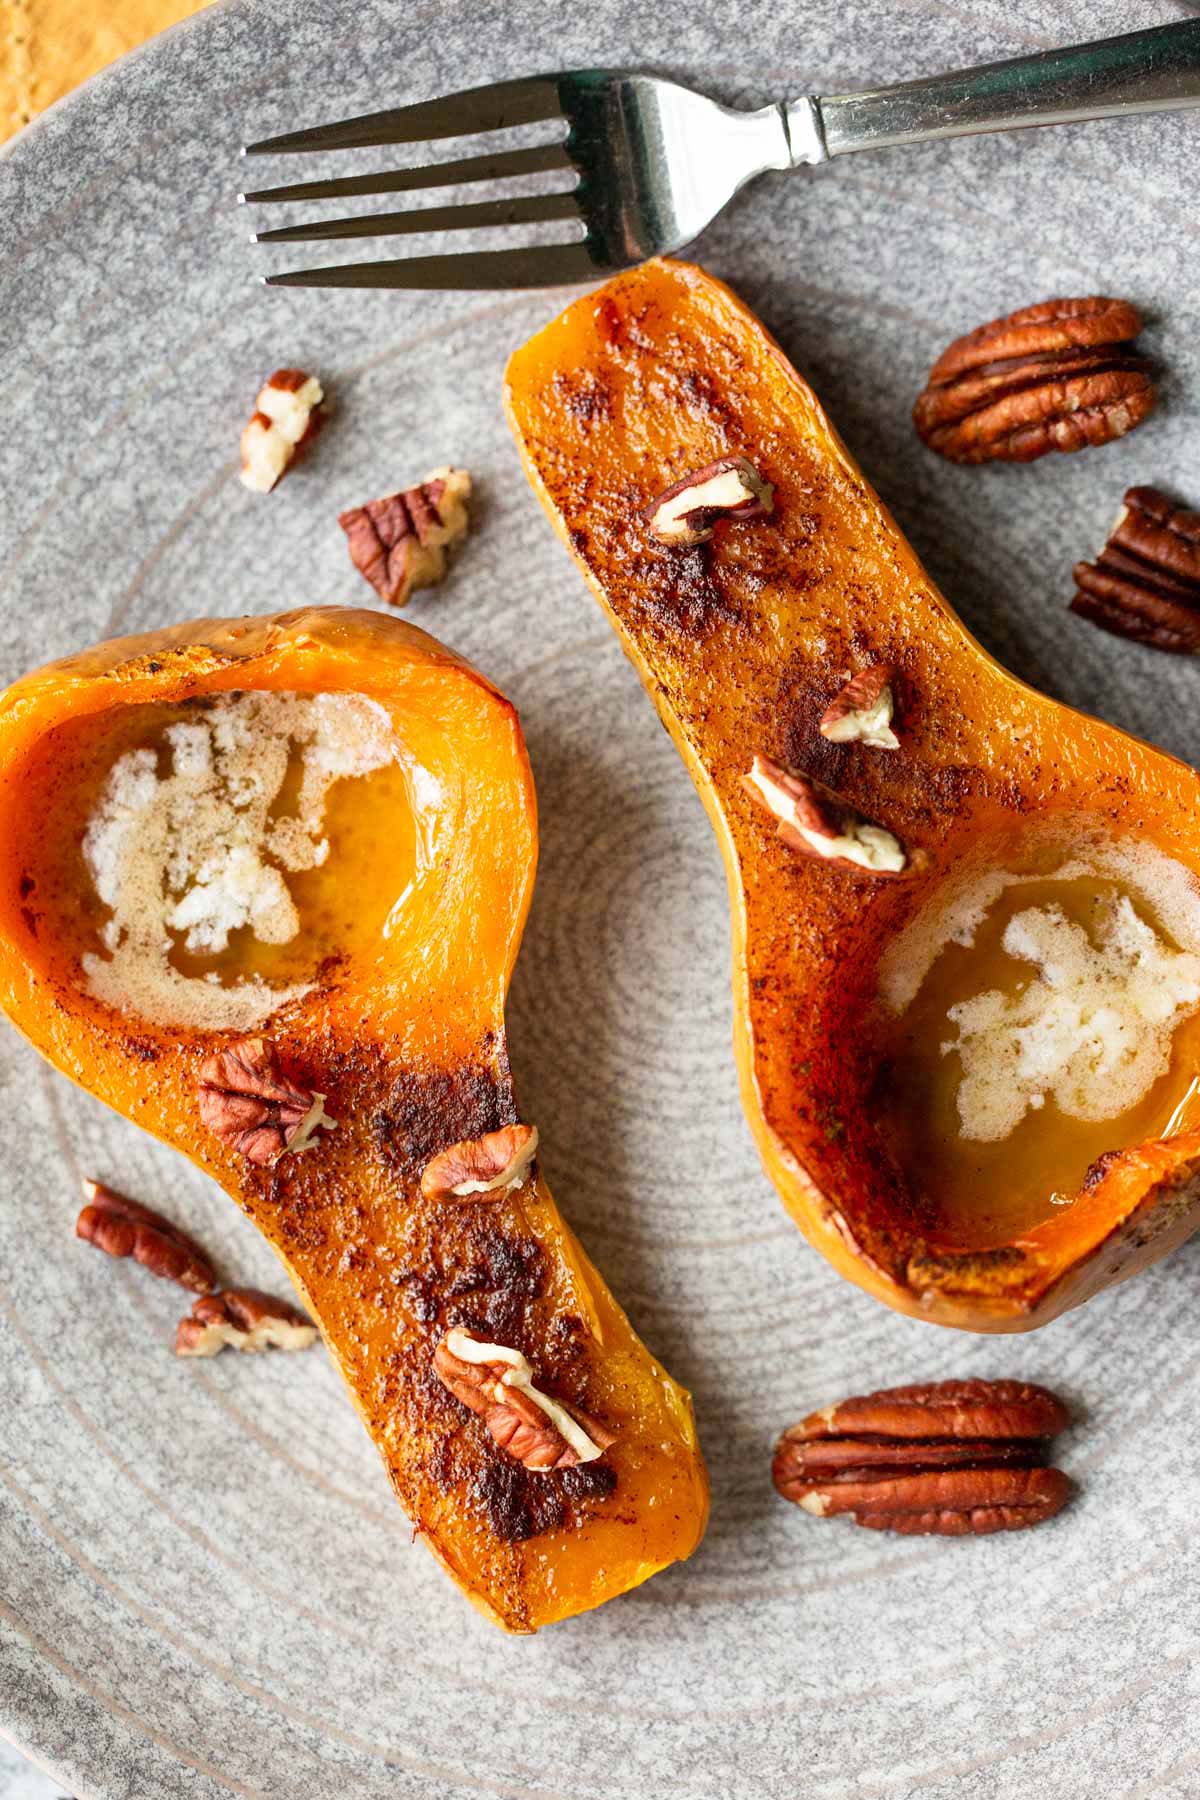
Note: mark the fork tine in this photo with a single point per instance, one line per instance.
(526, 209)
(547, 265)
(522, 102)
(532, 161)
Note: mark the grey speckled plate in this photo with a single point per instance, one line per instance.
(205, 1588)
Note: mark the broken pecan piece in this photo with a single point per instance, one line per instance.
(245, 1319)
(496, 1381)
(286, 419)
(491, 1164)
(688, 511)
(863, 710)
(817, 822)
(248, 1102)
(123, 1227)
(399, 543)
(951, 1458)
(1057, 376)
(1145, 583)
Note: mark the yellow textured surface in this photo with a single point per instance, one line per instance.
(47, 47)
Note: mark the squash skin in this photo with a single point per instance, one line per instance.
(410, 1049)
(741, 645)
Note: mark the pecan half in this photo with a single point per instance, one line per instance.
(1057, 376)
(688, 511)
(863, 710)
(123, 1227)
(1145, 583)
(951, 1458)
(286, 419)
(248, 1102)
(399, 543)
(817, 822)
(496, 1381)
(245, 1319)
(489, 1165)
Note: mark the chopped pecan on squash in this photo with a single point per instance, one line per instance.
(246, 1100)
(689, 511)
(491, 1164)
(861, 712)
(817, 822)
(496, 1381)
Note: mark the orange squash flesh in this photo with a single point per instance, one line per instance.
(404, 1032)
(742, 643)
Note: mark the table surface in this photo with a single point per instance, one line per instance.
(20, 1780)
(47, 47)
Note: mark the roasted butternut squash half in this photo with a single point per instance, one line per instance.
(966, 920)
(262, 883)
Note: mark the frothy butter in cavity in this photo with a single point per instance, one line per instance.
(184, 848)
(1090, 1021)
(1092, 1030)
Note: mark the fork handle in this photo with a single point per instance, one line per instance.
(1143, 71)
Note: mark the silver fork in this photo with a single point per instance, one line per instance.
(655, 163)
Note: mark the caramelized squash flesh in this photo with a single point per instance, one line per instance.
(1007, 803)
(389, 1000)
